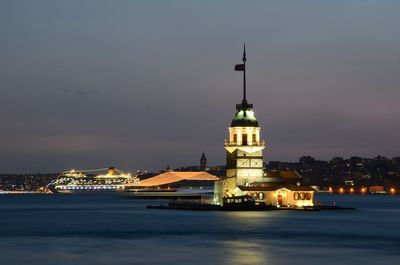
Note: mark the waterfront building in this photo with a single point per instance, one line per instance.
(245, 174)
(175, 184)
(376, 189)
(288, 195)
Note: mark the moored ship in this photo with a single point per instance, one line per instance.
(93, 180)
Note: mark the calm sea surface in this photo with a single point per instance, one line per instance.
(110, 229)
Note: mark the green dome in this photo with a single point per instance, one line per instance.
(244, 117)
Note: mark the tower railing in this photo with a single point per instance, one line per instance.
(231, 143)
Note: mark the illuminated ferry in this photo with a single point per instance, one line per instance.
(94, 180)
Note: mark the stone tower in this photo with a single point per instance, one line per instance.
(244, 157)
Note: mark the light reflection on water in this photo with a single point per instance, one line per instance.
(244, 252)
(93, 229)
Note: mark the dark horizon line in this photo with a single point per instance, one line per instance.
(187, 166)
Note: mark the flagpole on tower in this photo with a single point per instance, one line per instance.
(244, 74)
(242, 68)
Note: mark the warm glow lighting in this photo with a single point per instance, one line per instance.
(330, 189)
(392, 190)
(341, 190)
(248, 116)
(363, 190)
(351, 190)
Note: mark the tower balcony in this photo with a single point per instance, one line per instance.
(228, 143)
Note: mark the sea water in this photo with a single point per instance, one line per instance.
(111, 229)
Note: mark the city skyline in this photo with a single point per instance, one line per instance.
(143, 85)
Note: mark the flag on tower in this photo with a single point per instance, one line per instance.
(239, 67)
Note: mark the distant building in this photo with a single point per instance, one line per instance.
(376, 189)
(203, 162)
(396, 161)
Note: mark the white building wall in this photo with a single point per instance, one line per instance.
(288, 197)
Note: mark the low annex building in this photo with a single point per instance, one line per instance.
(290, 195)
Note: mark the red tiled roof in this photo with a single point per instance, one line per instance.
(286, 174)
(273, 188)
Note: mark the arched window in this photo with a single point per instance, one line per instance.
(261, 196)
(308, 196)
(302, 196)
(296, 196)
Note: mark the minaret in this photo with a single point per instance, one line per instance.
(203, 162)
(244, 157)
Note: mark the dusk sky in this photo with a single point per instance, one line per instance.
(143, 84)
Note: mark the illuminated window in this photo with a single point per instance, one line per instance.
(296, 196)
(308, 196)
(261, 196)
(302, 196)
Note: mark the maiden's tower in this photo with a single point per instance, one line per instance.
(244, 147)
(245, 174)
